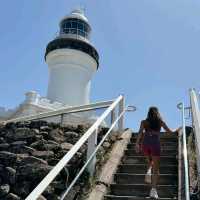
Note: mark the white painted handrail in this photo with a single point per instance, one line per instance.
(185, 153)
(68, 110)
(63, 162)
(196, 124)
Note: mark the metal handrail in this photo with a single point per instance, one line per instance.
(196, 125)
(185, 154)
(92, 155)
(63, 162)
(65, 110)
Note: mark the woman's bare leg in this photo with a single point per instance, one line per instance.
(149, 161)
(147, 178)
(156, 166)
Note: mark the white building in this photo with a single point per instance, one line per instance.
(72, 60)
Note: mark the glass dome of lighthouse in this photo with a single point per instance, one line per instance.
(75, 24)
(74, 34)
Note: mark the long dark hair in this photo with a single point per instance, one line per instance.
(154, 118)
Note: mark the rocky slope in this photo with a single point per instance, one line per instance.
(29, 150)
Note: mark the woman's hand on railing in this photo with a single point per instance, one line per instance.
(177, 131)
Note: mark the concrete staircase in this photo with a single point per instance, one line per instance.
(128, 183)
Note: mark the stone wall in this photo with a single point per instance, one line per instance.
(29, 150)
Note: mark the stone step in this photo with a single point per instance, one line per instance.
(142, 190)
(141, 168)
(127, 178)
(163, 135)
(114, 197)
(163, 146)
(164, 152)
(162, 139)
(141, 160)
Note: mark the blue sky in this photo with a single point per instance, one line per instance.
(149, 50)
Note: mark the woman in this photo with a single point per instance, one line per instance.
(149, 138)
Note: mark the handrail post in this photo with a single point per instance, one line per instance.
(92, 142)
(187, 189)
(196, 125)
(121, 109)
(113, 116)
(61, 119)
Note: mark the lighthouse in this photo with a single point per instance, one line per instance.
(72, 61)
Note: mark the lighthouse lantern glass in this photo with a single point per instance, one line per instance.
(75, 26)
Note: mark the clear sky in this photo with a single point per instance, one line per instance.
(149, 50)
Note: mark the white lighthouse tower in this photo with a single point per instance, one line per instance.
(72, 60)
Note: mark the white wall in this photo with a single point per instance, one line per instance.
(70, 74)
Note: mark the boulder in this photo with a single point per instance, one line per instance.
(41, 198)
(7, 158)
(4, 190)
(10, 175)
(12, 196)
(57, 135)
(39, 145)
(4, 146)
(66, 146)
(43, 154)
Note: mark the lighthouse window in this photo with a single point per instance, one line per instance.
(80, 26)
(67, 25)
(81, 33)
(74, 25)
(74, 31)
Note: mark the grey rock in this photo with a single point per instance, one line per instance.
(10, 175)
(21, 134)
(2, 140)
(43, 154)
(39, 145)
(33, 160)
(41, 198)
(7, 158)
(49, 191)
(71, 134)
(66, 146)
(34, 131)
(21, 157)
(19, 143)
(12, 196)
(44, 134)
(32, 169)
(27, 149)
(38, 137)
(45, 128)
(4, 146)
(23, 188)
(4, 190)
(106, 144)
(57, 135)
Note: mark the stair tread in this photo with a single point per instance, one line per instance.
(142, 156)
(168, 165)
(142, 190)
(136, 174)
(144, 184)
(134, 197)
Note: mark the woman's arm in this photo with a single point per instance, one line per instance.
(164, 125)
